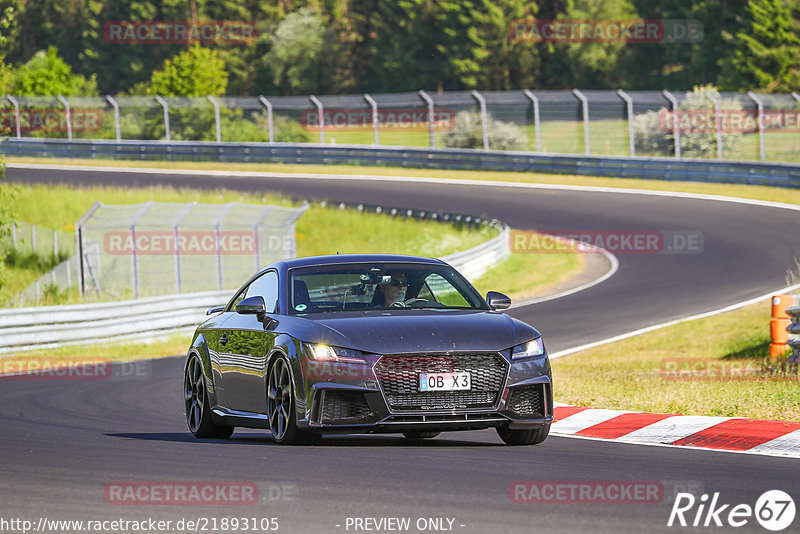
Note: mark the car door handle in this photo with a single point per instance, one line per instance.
(224, 339)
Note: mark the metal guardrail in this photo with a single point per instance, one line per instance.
(53, 326)
(794, 329)
(739, 172)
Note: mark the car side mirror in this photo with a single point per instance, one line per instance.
(254, 305)
(498, 301)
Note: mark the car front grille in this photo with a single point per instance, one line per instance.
(399, 378)
(527, 402)
(344, 407)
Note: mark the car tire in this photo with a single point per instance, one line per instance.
(281, 407)
(198, 408)
(523, 436)
(418, 434)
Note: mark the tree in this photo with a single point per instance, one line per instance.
(594, 64)
(46, 74)
(766, 53)
(297, 52)
(197, 71)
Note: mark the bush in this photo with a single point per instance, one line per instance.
(651, 136)
(468, 133)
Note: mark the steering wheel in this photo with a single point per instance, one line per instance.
(409, 302)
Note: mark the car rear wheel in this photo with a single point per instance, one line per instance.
(281, 408)
(524, 436)
(198, 410)
(417, 434)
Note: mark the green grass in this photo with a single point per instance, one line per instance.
(523, 277)
(630, 374)
(171, 345)
(318, 231)
(757, 192)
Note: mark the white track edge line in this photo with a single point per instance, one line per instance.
(677, 447)
(627, 335)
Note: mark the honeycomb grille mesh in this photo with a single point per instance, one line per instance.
(343, 407)
(527, 401)
(399, 378)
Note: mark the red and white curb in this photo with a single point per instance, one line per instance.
(775, 438)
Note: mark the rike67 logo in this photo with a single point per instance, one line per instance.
(774, 510)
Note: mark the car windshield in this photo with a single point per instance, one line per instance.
(367, 286)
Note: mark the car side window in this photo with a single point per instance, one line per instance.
(265, 285)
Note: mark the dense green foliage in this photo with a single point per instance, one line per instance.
(350, 46)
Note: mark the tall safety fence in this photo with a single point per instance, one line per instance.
(702, 123)
(160, 248)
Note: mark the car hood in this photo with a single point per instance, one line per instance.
(404, 331)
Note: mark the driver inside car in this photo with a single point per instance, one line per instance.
(391, 291)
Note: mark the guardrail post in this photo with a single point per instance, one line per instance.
(761, 142)
(717, 122)
(320, 110)
(428, 100)
(165, 107)
(114, 104)
(16, 112)
(216, 117)
(484, 118)
(536, 124)
(375, 118)
(267, 104)
(65, 103)
(585, 108)
(629, 105)
(676, 130)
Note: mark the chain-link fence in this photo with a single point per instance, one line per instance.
(160, 248)
(701, 123)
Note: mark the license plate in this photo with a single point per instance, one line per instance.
(444, 381)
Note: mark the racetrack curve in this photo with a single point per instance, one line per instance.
(62, 441)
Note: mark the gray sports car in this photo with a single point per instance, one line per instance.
(364, 344)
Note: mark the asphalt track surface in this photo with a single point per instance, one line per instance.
(63, 441)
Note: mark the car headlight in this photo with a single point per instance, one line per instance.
(326, 353)
(532, 348)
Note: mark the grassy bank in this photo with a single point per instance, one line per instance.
(757, 192)
(318, 231)
(711, 366)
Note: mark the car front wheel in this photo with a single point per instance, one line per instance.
(198, 409)
(281, 409)
(523, 436)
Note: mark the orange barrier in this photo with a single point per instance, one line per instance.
(778, 324)
(779, 305)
